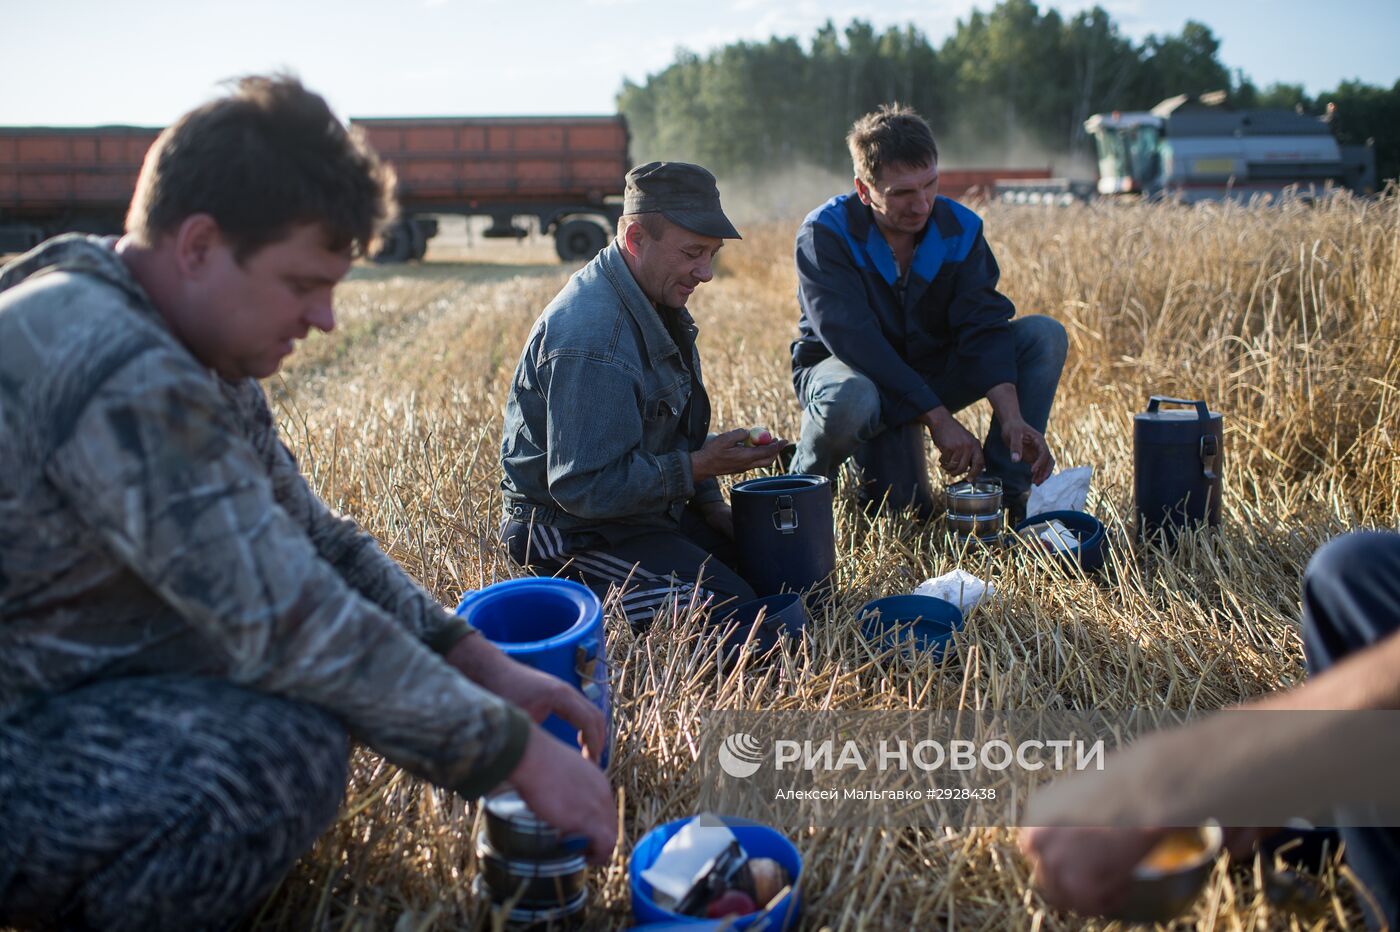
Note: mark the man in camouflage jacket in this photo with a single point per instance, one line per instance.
(187, 633)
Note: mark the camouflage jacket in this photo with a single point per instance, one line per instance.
(151, 521)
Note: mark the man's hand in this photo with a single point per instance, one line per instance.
(959, 452)
(724, 455)
(1028, 444)
(538, 694)
(719, 516)
(567, 791)
(1085, 869)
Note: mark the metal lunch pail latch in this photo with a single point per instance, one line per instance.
(785, 516)
(1210, 456)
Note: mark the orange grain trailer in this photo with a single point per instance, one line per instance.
(566, 172)
(55, 180)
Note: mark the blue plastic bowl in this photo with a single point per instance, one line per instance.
(757, 840)
(782, 613)
(1090, 553)
(918, 621)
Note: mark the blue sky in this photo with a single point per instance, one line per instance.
(72, 62)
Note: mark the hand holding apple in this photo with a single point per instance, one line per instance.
(758, 437)
(729, 453)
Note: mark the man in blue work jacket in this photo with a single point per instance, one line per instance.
(902, 326)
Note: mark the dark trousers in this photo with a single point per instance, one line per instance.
(1351, 600)
(154, 803)
(645, 570)
(841, 418)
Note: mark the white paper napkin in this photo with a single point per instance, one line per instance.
(1064, 491)
(681, 859)
(959, 587)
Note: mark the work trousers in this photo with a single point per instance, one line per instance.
(647, 570)
(841, 418)
(159, 803)
(1351, 601)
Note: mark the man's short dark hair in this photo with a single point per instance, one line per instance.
(268, 157)
(892, 135)
(654, 224)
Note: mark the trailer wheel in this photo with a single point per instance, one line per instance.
(579, 239)
(417, 240)
(395, 244)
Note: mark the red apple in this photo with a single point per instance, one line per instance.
(731, 903)
(758, 437)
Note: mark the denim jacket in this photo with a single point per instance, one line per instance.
(596, 431)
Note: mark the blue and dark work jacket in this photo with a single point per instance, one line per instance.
(949, 314)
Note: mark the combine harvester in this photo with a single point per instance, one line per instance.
(1187, 151)
(565, 172)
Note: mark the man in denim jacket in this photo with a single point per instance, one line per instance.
(902, 326)
(609, 475)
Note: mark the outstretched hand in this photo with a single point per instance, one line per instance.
(725, 455)
(1085, 869)
(567, 791)
(1028, 445)
(537, 693)
(959, 453)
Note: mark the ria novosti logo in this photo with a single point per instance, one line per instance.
(740, 755)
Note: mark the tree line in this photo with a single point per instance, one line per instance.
(1010, 86)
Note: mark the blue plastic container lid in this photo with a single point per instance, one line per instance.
(501, 613)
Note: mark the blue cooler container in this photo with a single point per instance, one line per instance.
(785, 532)
(1177, 471)
(553, 625)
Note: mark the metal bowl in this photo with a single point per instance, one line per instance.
(517, 834)
(531, 884)
(980, 526)
(545, 917)
(974, 497)
(1158, 894)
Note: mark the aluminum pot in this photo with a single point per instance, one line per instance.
(568, 916)
(975, 497)
(979, 526)
(517, 834)
(531, 884)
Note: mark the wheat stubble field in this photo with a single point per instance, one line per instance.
(1286, 319)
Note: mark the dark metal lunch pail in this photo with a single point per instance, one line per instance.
(1177, 458)
(785, 532)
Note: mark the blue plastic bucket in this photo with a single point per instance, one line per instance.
(1090, 552)
(918, 621)
(757, 840)
(553, 625)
